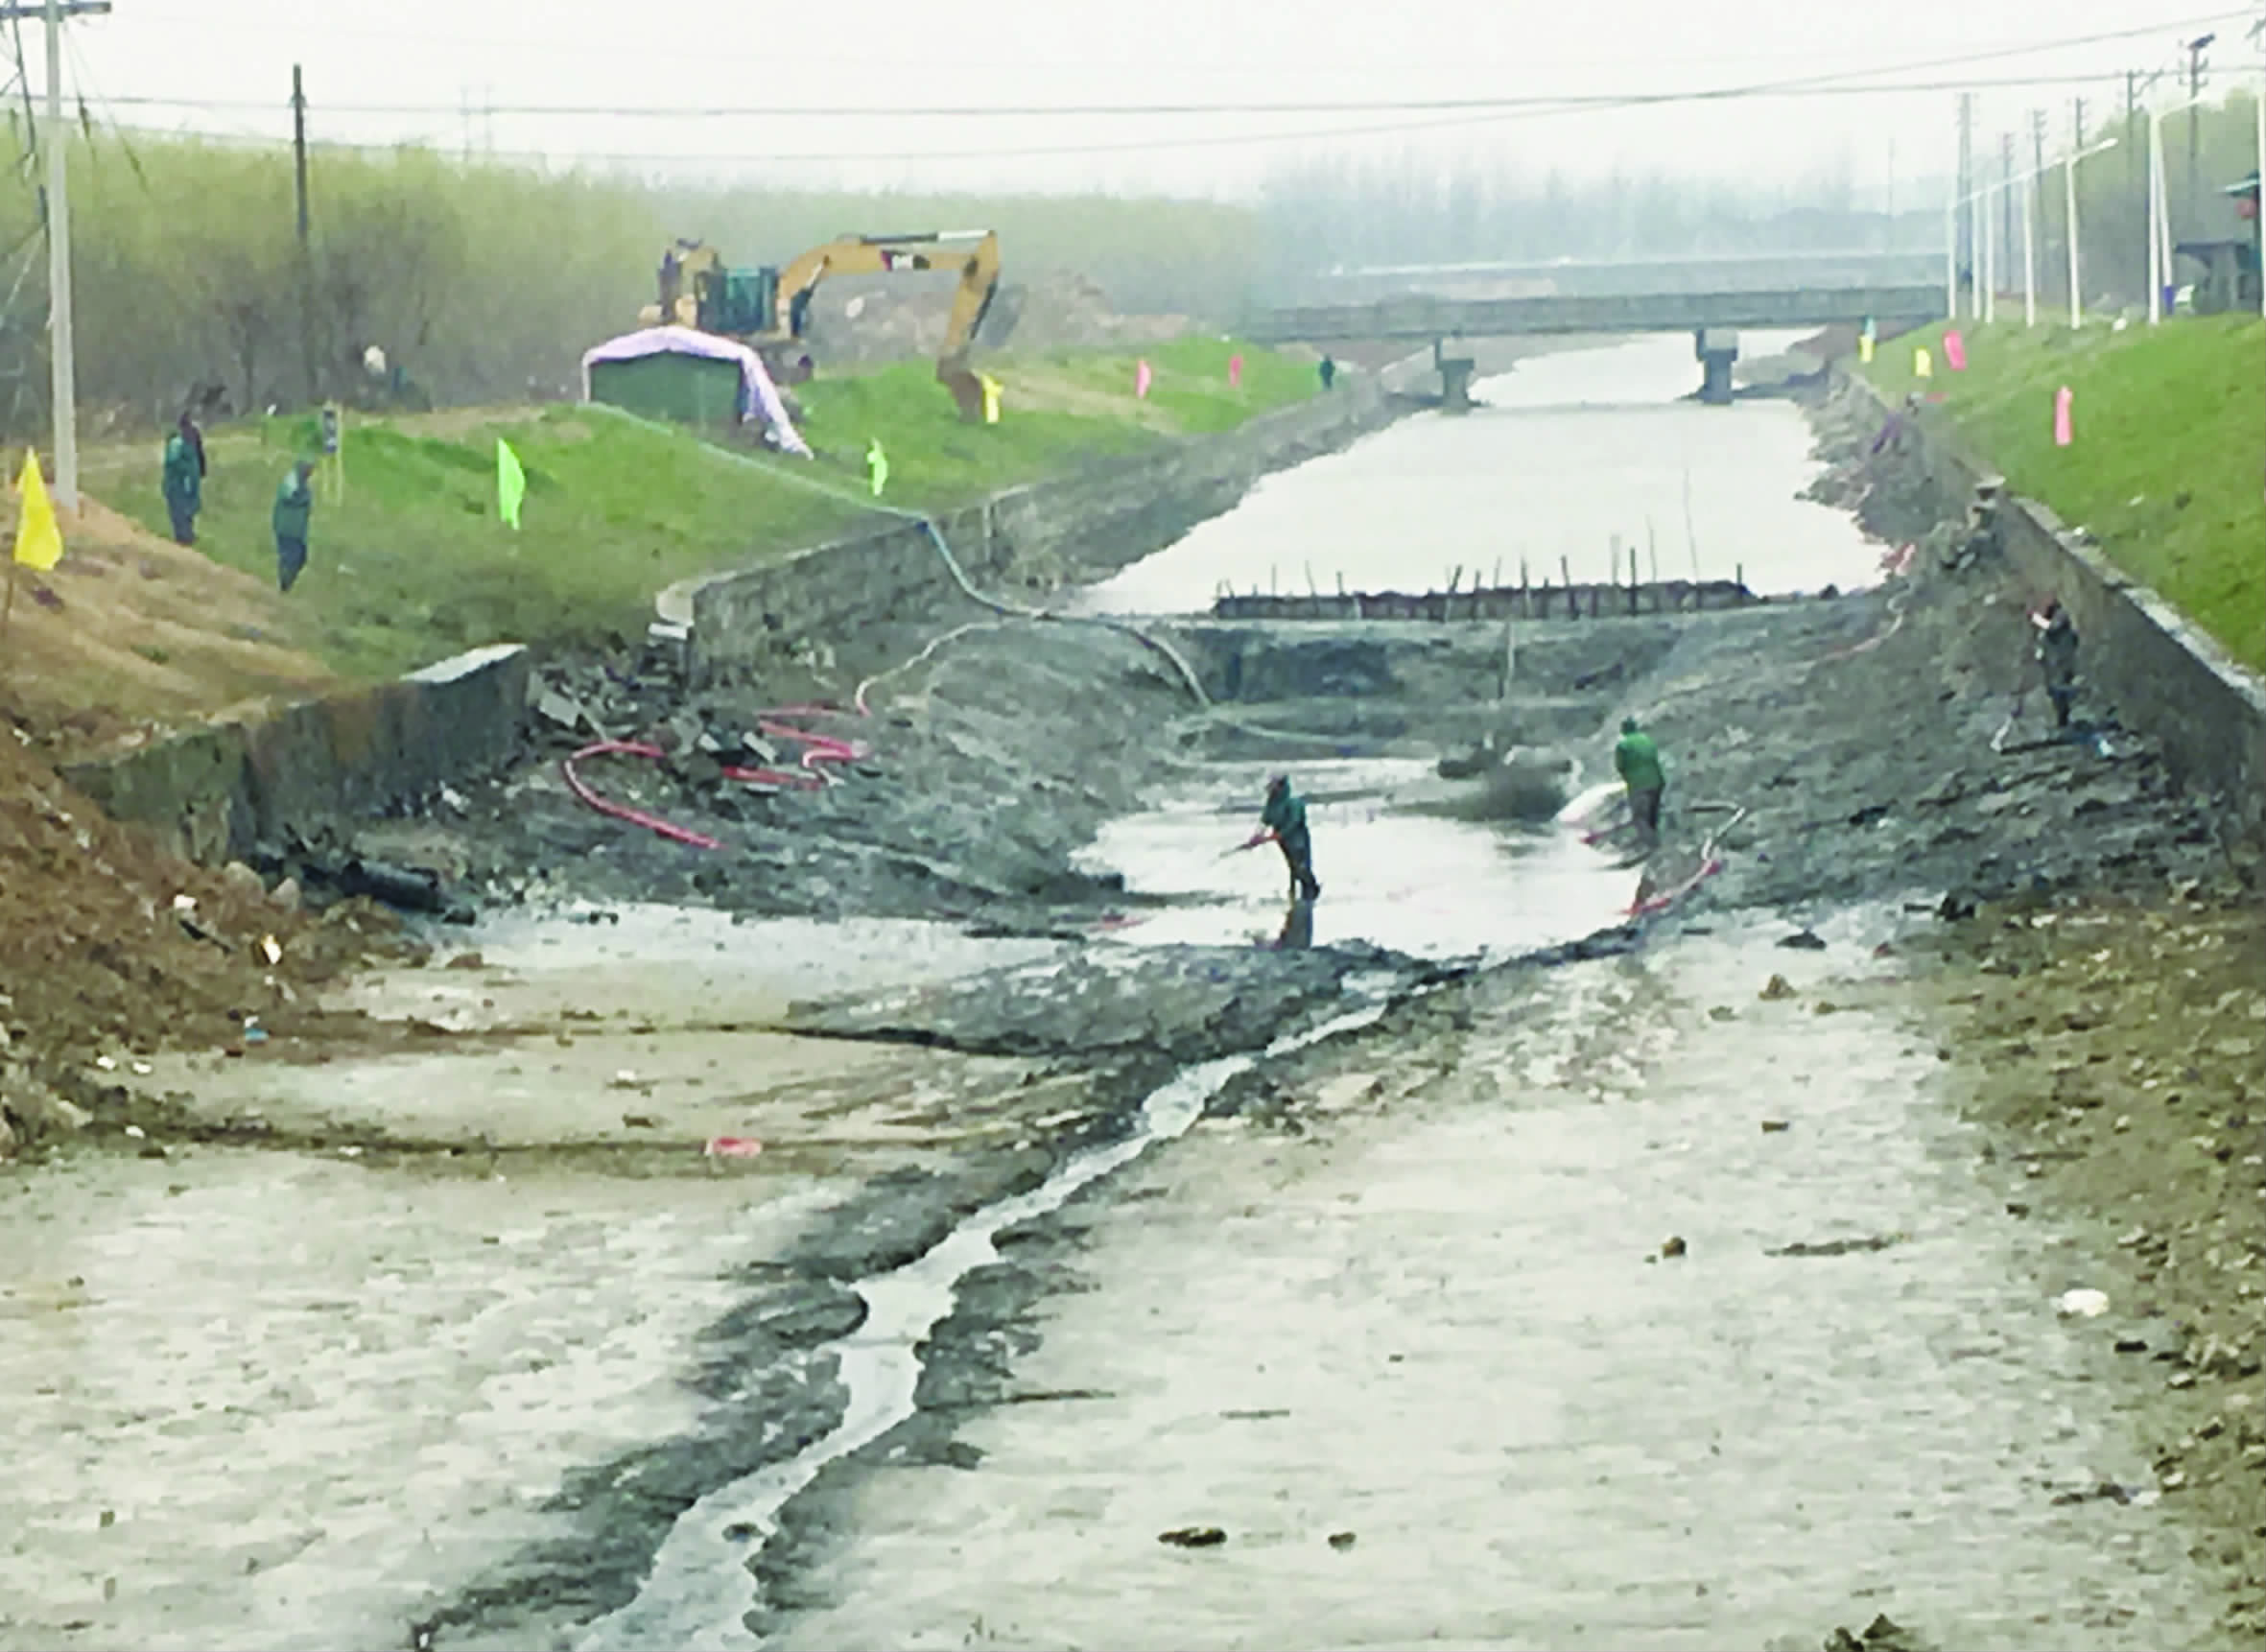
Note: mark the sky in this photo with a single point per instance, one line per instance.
(708, 81)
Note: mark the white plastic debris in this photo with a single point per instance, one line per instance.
(184, 903)
(136, 1132)
(109, 1064)
(2081, 1304)
(270, 951)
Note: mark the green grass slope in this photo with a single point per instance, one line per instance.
(413, 563)
(2168, 465)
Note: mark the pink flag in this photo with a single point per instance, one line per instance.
(1234, 372)
(1955, 352)
(2063, 435)
(1141, 378)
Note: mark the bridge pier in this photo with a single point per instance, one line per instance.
(1455, 379)
(1715, 348)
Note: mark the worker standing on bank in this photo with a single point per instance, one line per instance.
(295, 507)
(2057, 658)
(1636, 761)
(183, 479)
(1283, 819)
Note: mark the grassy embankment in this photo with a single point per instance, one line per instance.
(2166, 470)
(415, 563)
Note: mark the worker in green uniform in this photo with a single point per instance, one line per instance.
(295, 506)
(1636, 761)
(1283, 819)
(183, 479)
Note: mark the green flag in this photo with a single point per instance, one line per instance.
(510, 482)
(877, 465)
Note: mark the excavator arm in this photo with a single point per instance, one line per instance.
(974, 253)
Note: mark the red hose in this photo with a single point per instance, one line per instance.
(820, 748)
(621, 811)
(1662, 903)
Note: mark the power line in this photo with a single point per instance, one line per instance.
(1844, 80)
(1507, 105)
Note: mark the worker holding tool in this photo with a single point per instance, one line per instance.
(295, 506)
(1636, 761)
(1283, 819)
(2057, 658)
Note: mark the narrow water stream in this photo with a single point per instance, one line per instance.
(701, 1588)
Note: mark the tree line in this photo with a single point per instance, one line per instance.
(483, 281)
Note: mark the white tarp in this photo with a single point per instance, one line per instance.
(759, 397)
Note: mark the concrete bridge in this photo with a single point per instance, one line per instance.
(1692, 272)
(1713, 320)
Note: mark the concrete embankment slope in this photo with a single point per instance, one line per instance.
(1032, 538)
(2163, 675)
(212, 794)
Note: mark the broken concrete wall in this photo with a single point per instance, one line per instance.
(213, 793)
(1078, 527)
(2157, 669)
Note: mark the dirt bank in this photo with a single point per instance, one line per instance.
(2111, 1050)
(1907, 753)
(111, 950)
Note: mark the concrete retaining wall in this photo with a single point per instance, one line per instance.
(1069, 528)
(211, 794)
(2163, 676)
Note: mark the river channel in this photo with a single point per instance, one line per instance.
(1424, 1357)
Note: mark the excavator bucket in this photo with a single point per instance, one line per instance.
(965, 384)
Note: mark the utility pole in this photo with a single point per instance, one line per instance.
(62, 350)
(299, 160)
(62, 362)
(2195, 50)
(2006, 176)
(1965, 195)
(2069, 213)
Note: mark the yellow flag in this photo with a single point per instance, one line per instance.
(39, 541)
(991, 398)
(1923, 366)
(1864, 347)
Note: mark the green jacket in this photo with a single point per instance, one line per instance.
(182, 480)
(1636, 761)
(294, 504)
(1284, 813)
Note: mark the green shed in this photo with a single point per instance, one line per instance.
(682, 388)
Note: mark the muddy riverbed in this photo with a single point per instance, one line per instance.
(878, 1228)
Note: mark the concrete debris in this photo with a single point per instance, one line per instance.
(1882, 1635)
(1193, 1537)
(1839, 1246)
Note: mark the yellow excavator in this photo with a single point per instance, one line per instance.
(769, 308)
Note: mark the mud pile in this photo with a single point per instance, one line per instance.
(881, 319)
(111, 947)
(980, 772)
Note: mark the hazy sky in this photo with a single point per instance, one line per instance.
(437, 66)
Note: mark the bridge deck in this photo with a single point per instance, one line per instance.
(1417, 316)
